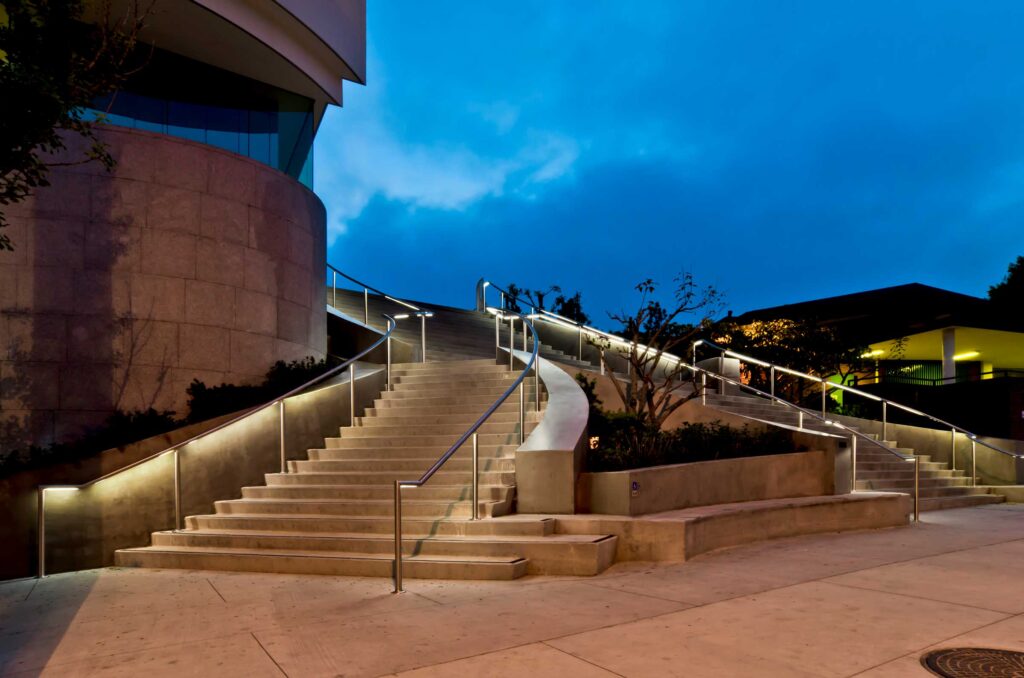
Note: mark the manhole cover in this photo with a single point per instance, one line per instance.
(975, 662)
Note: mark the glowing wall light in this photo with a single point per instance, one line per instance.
(966, 355)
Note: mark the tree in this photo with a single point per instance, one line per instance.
(655, 388)
(1010, 291)
(534, 298)
(802, 345)
(52, 66)
(571, 308)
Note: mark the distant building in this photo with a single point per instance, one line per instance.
(202, 255)
(921, 337)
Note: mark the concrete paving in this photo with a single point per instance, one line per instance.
(863, 603)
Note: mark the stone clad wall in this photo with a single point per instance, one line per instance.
(185, 262)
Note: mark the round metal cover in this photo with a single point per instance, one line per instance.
(975, 662)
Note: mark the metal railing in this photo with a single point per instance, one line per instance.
(472, 431)
(889, 377)
(885, 403)
(680, 363)
(279, 402)
(412, 309)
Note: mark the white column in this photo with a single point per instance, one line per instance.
(948, 350)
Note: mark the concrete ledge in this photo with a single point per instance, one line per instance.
(1013, 493)
(675, 536)
(663, 488)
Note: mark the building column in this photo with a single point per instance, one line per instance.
(948, 350)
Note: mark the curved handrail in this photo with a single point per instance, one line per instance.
(350, 364)
(470, 432)
(856, 391)
(368, 288)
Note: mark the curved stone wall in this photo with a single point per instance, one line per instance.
(186, 262)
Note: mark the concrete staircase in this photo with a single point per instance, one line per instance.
(333, 512)
(877, 470)
(452, 334)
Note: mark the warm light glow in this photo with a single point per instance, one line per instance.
(594, 441)
(61, 489)
(872, 354)
(966, 355)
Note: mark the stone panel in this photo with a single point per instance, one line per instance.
(295, 282)
(292, 321)
(220, 262)
(204, 347)
(173, 209)
(224, 220)
(251, 353)
(67, 196)
(181, 165)
(95, 339)
(110, 246)
(232, 177)
(118, 201)
(168, 253)
(255, 312)
(260, 272)
(36, 337)
(46, 289)
(27, 384)
(209, 303)
(87, 387)
(158, 297)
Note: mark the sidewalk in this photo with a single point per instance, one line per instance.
(866, 603)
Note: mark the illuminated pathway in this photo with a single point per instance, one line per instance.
(828, 605)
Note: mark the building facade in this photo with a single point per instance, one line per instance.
(201, 256)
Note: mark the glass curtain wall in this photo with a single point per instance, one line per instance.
(180, 97)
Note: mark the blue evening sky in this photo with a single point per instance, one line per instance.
(781, 151)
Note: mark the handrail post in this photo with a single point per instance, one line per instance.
(771, 379)
(853, 463)
(952, 451)
(497, 332)
(536, 382)
(522, 412)
(177, 488)
(524, 337)
(579, 350)
(800, 418)
(41, 519)
(974, 462)
(423, 338)
(280, 413)
(917, 489)
(502, 301)
(824, 397)
(703, 388)
(352, 394)
(398, 536)
(366, 306)
(334, 284)
(388, 365)
(476, 477)
(601, 358)
(511, 340)
(885, 420)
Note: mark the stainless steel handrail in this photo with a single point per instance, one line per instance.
(886, 403)
(421, 313)
(174, 449)
(472, 432)
(694, 368)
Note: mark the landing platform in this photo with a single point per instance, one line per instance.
(679, 535)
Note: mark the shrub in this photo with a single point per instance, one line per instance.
(624, 441)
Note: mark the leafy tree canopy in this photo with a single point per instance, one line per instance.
(1010, 291)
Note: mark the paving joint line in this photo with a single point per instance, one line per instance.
(269, 656)
(912, 596)
(917, 653)
(585, 661)
(221, 595)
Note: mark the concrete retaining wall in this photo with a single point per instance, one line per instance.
(663, 488)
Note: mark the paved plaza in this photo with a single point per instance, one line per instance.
(864, 604)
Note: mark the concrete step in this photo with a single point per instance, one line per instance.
(442, 477)
(411, 526)
(883, 483)
(958, 501)
(285, 561)
(555, 554)
(509, 407)
(506, 464)
(483, 401)
(937, 491)
(441, 441)
(431, 430)
(428, 418)
(428, 452)
(414, 508)
(427, 492)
